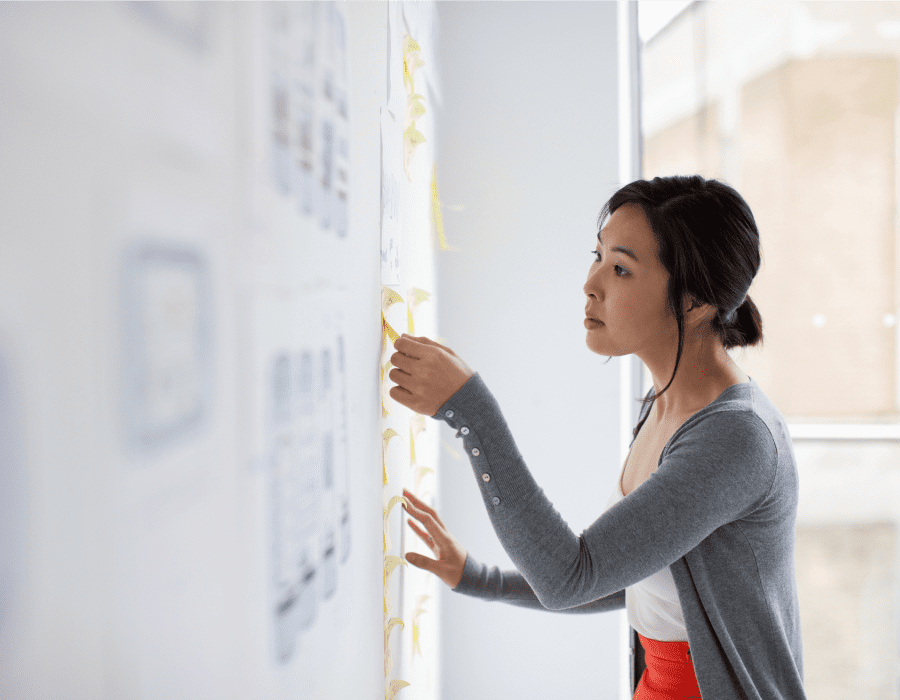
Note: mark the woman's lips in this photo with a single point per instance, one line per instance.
(592, 323)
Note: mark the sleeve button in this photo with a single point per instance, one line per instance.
(449, 414)
(476, 451)
(485, 477)
(464, 431)
(495, 501)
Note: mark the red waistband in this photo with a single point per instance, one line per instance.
(669, 651)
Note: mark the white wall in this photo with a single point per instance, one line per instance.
(529, 154)
(145, 573)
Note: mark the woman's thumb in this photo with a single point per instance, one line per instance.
(418, 560)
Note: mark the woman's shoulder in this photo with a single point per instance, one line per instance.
(743, 411)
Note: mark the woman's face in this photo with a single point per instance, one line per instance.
(627, 293)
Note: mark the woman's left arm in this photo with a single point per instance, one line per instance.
(702, 483)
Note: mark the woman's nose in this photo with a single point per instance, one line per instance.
(592, 285)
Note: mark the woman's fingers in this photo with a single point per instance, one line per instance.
(404, 363)
(422, 562)
(421, 533)
(428, 521)
(429, 341)
(451, 561)
(423, 507)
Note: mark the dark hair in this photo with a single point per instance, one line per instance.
(709, 244)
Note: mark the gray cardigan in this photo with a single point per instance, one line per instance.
(720, 510)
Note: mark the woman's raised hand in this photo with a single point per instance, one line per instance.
(426, 373)
(451, 557)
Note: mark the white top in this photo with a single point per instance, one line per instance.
(654, 609)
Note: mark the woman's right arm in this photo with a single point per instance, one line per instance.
(455, 567)
(510, 587)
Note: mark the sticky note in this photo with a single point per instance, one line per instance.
(386, 330)
(453, 453)
(415, 297)
(385, 439)
(412, 139)
(389, 297)
(392, 688)
(391, 562)
(421, 473)
(416, 426)
(436, 214)
(414, 108)
(411, 61)
(420, 608)
(386, 511)
(388, 660)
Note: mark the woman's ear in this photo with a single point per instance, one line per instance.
(704, 313)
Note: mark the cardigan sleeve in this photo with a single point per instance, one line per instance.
(478, 581)
(717, 468)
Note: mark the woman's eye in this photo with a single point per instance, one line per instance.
(617, 267)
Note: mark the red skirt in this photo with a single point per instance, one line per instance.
(669, 674)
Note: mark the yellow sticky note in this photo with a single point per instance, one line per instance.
(410, 45)
(393, 622)
(453, 453)
(412, 139)
(385, 439)
(421, 473)
(436, 214)
(416, 426)
(388, 660)
(411, 61)
(392, 688)
(391, 562)
(386, 511)
(389, 297)
(415, 297)
(414, 109)
(386, 330)
(420, 608)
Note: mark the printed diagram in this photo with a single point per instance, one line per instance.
(309, 486)
(302, 75)
(310, 141)
(166, 344)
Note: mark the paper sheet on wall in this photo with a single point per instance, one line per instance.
(301, 103)
(419, 22)
(396, 93)
(300, 371)
(391, 167)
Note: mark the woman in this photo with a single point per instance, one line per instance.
(697, 541)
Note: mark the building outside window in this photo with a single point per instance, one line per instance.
(795, 104)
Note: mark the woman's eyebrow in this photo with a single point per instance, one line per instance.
(619, 249)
